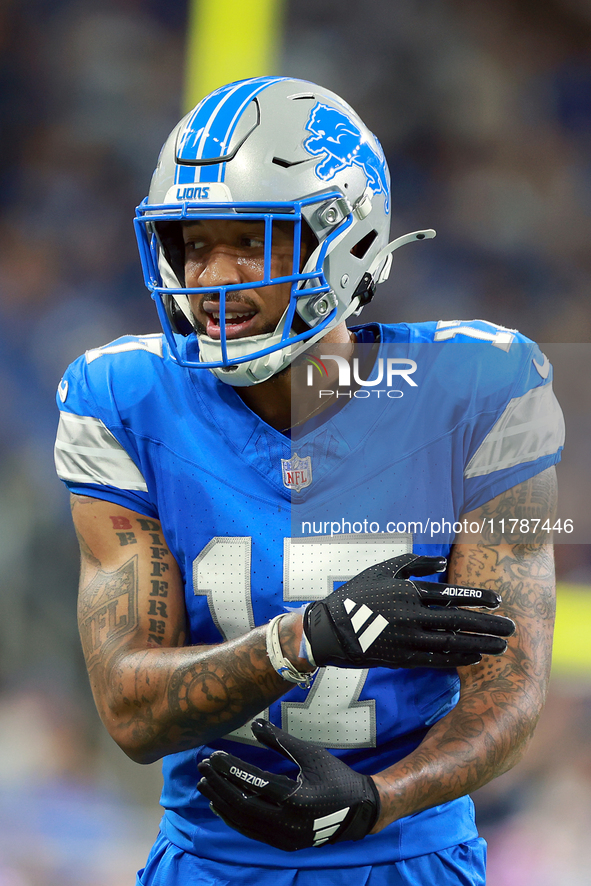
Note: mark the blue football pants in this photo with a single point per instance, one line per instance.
(462, 865)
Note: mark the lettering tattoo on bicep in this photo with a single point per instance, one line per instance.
(123, 530)
(159, 566)
(158, 609)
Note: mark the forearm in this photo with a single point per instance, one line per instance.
(483, 736)
(155, 695)
(158, 701)
(500, 699)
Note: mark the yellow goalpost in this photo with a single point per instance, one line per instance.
(229, 40)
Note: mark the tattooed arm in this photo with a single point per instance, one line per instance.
(155, 695)
(500, 698)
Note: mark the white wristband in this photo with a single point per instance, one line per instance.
(278, 661)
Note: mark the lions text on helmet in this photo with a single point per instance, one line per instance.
(304, 190)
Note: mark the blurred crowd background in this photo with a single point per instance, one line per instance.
(483, 108)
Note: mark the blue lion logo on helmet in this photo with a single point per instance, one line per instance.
(335, 135)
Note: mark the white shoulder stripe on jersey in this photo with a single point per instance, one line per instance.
(87, 452)
(151, 343)
(530, 427)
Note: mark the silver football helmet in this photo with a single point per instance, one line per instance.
(270, 149)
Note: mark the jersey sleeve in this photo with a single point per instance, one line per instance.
(94, 453)
(522, 437)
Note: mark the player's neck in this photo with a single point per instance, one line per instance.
(287, 399)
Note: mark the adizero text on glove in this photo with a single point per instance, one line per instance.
(382, 619)
(327, 803)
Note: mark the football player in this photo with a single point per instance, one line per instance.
(286, 583)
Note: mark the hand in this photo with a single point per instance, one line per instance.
(380, 619)
(327, 803)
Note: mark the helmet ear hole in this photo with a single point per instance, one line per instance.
(361, 247)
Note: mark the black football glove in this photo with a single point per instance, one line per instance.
(380, 619)
(327, 803)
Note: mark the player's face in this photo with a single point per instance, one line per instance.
(222, 252)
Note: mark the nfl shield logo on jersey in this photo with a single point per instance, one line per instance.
(297, 472)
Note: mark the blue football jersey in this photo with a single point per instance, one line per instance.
(451, 415)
